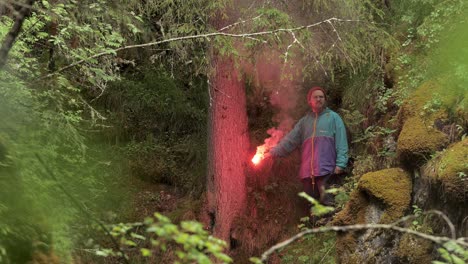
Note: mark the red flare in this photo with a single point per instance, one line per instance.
(259, 155)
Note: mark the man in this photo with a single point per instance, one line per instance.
(324, 146)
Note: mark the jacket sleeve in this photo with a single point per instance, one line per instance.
(341, 143)
(290, 142)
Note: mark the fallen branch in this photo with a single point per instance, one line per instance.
(436, 239)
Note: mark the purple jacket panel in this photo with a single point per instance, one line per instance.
(325, 156)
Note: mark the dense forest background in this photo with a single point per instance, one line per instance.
(127, 128)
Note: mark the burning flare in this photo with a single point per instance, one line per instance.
(275, 136)
(259, 155)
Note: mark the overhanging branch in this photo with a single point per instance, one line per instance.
(251, 35)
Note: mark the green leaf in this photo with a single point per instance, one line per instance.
(104, 252)
(181, 254)
(129, 243)
(145, 252)
(192, 226)
(255, 260)
(137, 236)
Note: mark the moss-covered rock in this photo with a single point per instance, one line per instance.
(414, 250)
(451, 170)
(418, 139)
(421, 118)
(381, 197)
(391, 186)
(353, 213)
(430, 100)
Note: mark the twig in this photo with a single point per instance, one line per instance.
(337, 46)
(334, 30)
(209, 92)
(295, 40)
(92, 109)
(326, 253)
(447, 220)
(239, 22)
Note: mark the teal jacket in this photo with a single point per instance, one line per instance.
(323, 143)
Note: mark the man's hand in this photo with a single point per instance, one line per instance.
(267, 156)
(338, 170)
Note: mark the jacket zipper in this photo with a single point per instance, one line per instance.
(314, 128)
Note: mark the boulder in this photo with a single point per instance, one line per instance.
(382, 197)
(422, 119)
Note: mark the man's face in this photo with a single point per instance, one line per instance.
(317, 101)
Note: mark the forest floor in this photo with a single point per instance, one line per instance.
(149, 198)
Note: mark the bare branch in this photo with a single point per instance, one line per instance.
(334, 29)
(436, 239)
(295, 40)
(92, 110)
(202, 36)
(337, 46)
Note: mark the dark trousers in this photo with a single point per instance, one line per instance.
(317, 189)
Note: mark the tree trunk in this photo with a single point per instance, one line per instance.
(226, 192)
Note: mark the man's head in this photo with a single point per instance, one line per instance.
(317, 99)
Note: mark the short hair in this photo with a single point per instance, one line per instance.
(313, 89)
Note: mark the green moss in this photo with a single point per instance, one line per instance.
(451, 169)
(353, 213)
(424, 94)
(391, 186)
(417, 139)
(414, 250)
(427, 105)
(345, 246)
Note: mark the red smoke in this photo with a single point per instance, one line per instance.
(283, 82)
(275, 137)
